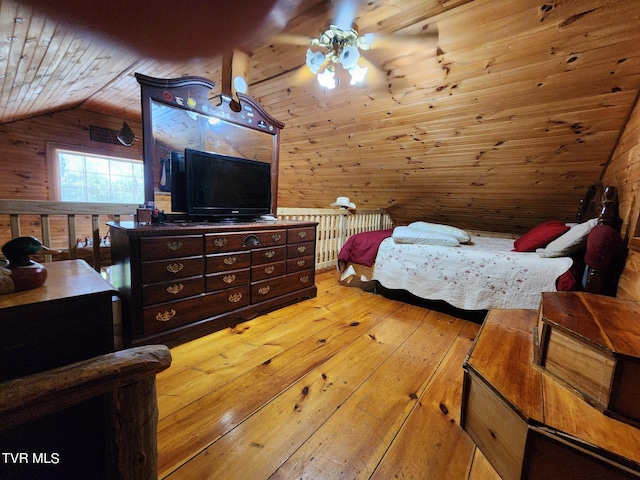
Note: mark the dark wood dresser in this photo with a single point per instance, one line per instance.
(179, 281)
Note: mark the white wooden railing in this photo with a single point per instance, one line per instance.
(56, 225)
(335, 226)
(34, 217)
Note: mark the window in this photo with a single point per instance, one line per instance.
(84, 177)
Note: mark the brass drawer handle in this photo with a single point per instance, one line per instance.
(229, 278)
(166, 315)
(301, 263)
(220, 242)
(174, 289)
(230, 260)
(174, 246)
(302, 234)
(302, 249)
(269, 269)
(276, 237)
(235, 297)
(264, 290)
(174, 267)
(304, 279)
(269, 254)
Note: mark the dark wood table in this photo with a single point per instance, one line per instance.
(68, 319)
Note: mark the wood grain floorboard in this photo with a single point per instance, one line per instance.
(346, 385)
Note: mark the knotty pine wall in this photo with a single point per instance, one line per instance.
(25, 168)
(624, 172)
(23, 158)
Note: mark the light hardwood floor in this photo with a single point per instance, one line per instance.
(346, 385)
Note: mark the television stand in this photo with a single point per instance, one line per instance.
(179, 281)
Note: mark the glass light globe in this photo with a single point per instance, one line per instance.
(327, 78)
(349, 57)
(358, 74)
(314, 60)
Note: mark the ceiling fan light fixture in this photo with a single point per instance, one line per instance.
(343, 48)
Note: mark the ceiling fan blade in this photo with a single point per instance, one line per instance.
(300, 76)
(291, 39)
(375, 76)
(345, 13)
(425, 40)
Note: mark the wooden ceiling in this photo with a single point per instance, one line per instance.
(500, 127)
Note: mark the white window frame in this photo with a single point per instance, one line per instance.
(53, 151)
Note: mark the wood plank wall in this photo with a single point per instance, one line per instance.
(624, 172)
(25, 167)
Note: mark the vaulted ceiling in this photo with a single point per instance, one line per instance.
(501, 125)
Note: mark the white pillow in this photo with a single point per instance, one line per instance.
(461, 235)
(425, 237)
(569, 242)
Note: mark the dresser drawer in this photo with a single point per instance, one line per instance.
(267, 270)
(303, 234)
(169, 269)
(298, 264)
(228, 261)
(267, 289)
(155, 248)
(301, 249)
(268, 255)
(174, 289)
(227, 242)
(221, 281)
(166, 316)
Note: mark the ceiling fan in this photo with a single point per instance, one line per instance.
(340, 46)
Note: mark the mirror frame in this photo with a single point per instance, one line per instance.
(191, 93)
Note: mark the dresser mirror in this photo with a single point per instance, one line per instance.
(178, 114)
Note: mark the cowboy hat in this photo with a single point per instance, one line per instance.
(343, 202)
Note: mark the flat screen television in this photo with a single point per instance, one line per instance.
(224, 187)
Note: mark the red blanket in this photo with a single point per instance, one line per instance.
(362, 248)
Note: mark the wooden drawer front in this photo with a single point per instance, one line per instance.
(298, 264)
(298, 250)
(298, 235)
(166, 316)
(170, 247)
(268, 255)
(221, 281)
(161, 270)
(267, 270)
(227, 242)
(228, 261)
(224, 242)
(267, 289)
(168, 291)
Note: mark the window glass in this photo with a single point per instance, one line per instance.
(100, 179)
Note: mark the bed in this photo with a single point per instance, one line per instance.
(484, 271)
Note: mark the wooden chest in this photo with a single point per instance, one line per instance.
(592, 343)
(529, 425)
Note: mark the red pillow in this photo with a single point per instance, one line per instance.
(540, 236)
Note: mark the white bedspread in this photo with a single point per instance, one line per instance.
(483, 275)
